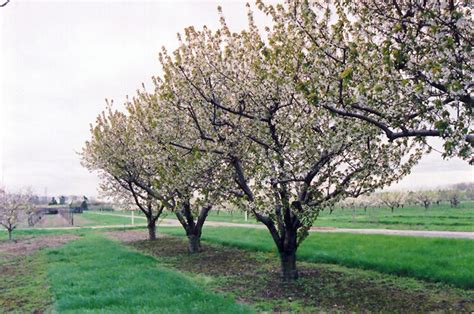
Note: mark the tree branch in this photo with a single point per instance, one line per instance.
(241, 180)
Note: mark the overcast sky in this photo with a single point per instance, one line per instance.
(60, 60)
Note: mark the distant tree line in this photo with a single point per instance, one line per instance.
(454, 196)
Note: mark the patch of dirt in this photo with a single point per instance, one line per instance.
(211, 261)
(26, 246)
(131, 235)
(231, 262)
(255, 278)
(322, 288)
(51, 221)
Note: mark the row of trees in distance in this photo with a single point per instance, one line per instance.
(400, 199)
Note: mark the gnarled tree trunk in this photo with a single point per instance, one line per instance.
(286, 240)
(193, 229)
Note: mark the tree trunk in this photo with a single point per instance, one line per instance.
(288, 265)
(10, 237)
(286, 240)
(288, 255)
(194, 243)
(151, 228)
(193, 229)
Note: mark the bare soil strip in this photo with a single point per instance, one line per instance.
(27, 246)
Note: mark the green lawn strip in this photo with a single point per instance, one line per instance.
(449, 261)
(105, 219)
(95, 274)
(437, 217)
(22, 233)
(23, 284)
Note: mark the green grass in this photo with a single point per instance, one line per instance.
(23, 284)
(448, 261)
(107, 219)
(22, 233)
(254, 277)
(96, 275)
(438, 217)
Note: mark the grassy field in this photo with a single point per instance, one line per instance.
(345, 263)
(23, 284)
(438, 217)
(107, 219)
(85, 277)
(433, 259)
(22, 233)
(254, 277)
(444, 260)
(93, 274)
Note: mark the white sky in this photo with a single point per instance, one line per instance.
(59, 60)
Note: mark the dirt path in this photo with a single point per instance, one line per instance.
(52, 221)
(411, 233)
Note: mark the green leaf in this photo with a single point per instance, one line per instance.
(346, 73)
(441, 125)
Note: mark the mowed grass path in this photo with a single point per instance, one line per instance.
(97, 275)
(432, 259)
